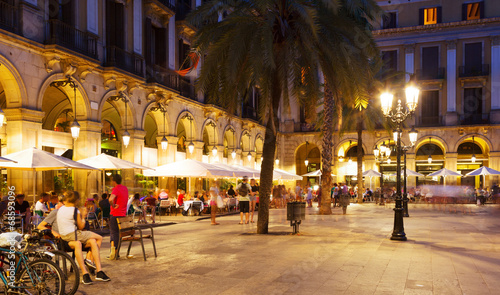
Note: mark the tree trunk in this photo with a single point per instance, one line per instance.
(361, 185)
(326, 154)
(266, 171)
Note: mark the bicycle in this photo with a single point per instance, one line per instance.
(65, 262)
(40, 276)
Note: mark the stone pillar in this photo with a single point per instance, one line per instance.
(451, 163)
(88, 144)
(495, 79)
(411, 164)
(133, 153)
(23, 130)
(409, 60)
(172, 43)
(451, 84)
(137, 25)
(494, 163)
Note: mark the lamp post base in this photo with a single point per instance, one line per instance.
(398, 234)
(405, 208)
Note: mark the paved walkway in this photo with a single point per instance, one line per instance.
(446, 253)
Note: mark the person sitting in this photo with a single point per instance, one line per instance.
(180, 199)
(71, 222)
(22, 207)
(151, 204)
(163, 194)
(137, 205)
(230, 192)
(53, 200)
(90, 205)
(41, 205)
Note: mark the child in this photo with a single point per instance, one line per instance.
(136, 204)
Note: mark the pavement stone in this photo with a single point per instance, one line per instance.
(446, 253)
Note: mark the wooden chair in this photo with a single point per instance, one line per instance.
(128, 230)
(166, 205)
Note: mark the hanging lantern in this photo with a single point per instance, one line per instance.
(126, 138)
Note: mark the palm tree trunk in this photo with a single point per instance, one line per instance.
(326, 153)
(361, 186)
(266, 171)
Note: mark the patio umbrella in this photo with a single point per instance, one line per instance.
(410, 172)
(371, 173)
(33, 159)
(445, 172)
(236, 171)
(314, 173)
(107, 162)
(483, 171)
(280, 174)
(251, 172)
(188, 168)
(2, 159)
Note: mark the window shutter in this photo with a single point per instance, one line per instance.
(481, 10)
(421, 16)
(110, 24)
(439, 12)
(464, 11)
(147, 32)
(119, 25)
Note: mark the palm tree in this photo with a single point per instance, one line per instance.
(279, 47)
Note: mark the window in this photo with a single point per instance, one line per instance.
(115, 22)
(430, 63)
(473, 101)
(389, 20)
(473, 53)
(430, 16)
(390, 59)
(430, 108)
(471, 11)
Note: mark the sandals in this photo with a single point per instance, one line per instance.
(240, 223)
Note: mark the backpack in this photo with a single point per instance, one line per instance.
(243, 190)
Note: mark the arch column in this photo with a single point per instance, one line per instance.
(371, 163)
(494, 163)
(23, 130)
(165, 157)
(450, 162)
(132, 153)
(88, 144)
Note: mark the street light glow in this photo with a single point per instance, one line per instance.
(386, 100)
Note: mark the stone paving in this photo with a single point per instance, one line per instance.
(446, 253)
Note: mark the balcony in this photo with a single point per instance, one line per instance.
(8, 17)
(429, 121)
(130, 62)
(60, 33)
(474, 71)
(431, 75)
(474, 119)
(162, 76)
(170, 4)
(186, 89)
(249, 112)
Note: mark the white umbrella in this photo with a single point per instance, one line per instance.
(250, 172)
(445, 172)
(314, 173)
(188, 168)
(483, 171)
(2, 159)
(410, 172)
(280, 174)
(371, 173)
(33, 159)
(107, 162)
(236, 171)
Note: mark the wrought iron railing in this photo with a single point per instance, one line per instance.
(160, 75)
(60, 33)
(8, 17)
(474, 71)
(168, 3)
(182, 10)
(130, 62)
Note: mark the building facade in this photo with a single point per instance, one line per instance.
(122, 56)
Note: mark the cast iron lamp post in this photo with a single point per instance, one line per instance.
(398, 117)
(413, 134)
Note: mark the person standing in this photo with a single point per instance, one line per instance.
(213, 206)
(118, 201)
(298, 192)
(309, 196)
(244, 190)
(253, 197)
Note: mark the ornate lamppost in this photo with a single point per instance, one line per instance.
(398, 116)
(413, 134)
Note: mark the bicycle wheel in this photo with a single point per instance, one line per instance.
(41, 277)
(69, 269)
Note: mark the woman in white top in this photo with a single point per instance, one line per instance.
(71, 222)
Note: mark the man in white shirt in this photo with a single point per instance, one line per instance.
(41, 204)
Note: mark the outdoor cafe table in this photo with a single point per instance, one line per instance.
(187, 204)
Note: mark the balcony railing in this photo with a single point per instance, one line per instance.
(474, 119)
(186, 89)
(430, 121)
(130, 62)
(182, 10)
(60, 33)
(431, 75)
(474, 71)
(8, 17)
(160, 75)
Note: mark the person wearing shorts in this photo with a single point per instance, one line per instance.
(70, 222)
(244, 189)
(253, 197)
